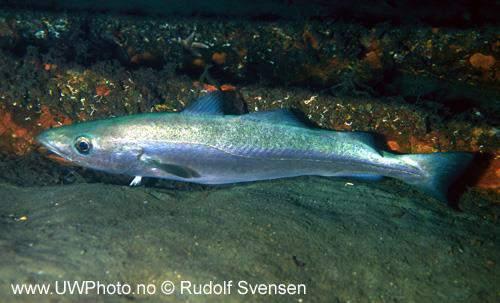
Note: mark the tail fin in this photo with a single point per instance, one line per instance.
(442, 170)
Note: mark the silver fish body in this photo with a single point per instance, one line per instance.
(201, 145)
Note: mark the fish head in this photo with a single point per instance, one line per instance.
(92, 145)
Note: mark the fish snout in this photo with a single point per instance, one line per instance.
(47, 141)
(42, 138)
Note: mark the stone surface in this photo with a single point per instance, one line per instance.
(346, 240)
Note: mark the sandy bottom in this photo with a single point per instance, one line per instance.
(347, 242)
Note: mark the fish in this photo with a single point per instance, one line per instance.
(202, 144)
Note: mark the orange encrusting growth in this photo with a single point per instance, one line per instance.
(490, 179)
(102, 90)
(219, 57)
(480, 61)
(211, 88)
(20, 139)
(13, 136)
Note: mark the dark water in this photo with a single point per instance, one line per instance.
(423, 76)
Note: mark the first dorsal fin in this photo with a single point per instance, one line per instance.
(369, 139)
(278, 116)
(210, 104)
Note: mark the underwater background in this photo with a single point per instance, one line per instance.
(424, 76)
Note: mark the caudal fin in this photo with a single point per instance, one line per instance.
(442, 170)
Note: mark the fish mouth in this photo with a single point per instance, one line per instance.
(52, 149)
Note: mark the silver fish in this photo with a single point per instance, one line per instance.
(203, 145)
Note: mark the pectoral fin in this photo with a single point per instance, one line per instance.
(178, 170)
(169, 168)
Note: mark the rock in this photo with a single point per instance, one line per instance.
(314, 231)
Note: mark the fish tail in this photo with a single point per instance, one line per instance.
(441, 169)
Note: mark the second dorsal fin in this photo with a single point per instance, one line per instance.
(278, 116)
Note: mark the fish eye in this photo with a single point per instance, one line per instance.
(83, 145)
